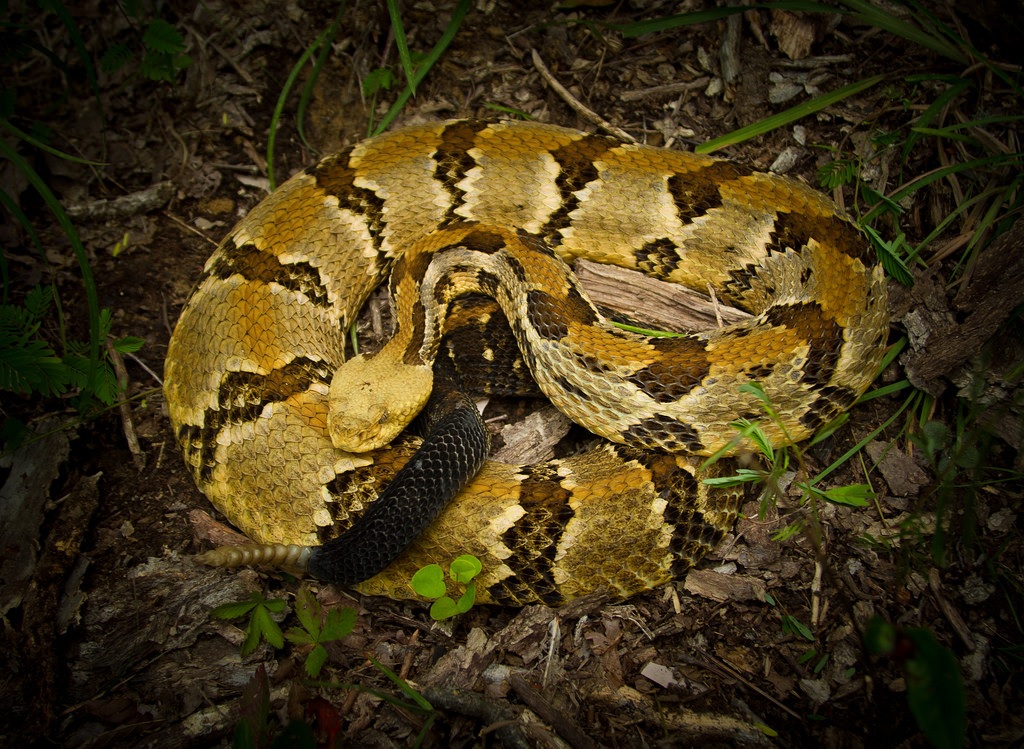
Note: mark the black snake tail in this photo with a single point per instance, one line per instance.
(454, 450)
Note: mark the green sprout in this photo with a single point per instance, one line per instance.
(315, 631)
(429, 582)
(261, 625)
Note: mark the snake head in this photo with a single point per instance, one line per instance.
(373, 399)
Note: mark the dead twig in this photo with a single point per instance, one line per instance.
(564, 726)
(951, 614)
(126, 412)
(499, 719)
(724, 670)
(585, 112)
(667, 89)
(816, 593)
(123, 206)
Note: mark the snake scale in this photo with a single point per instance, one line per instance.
(293, 446)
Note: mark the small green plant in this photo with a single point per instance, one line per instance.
(778, 461)
(378, 80)
(37, 353)
(839, 172)
(429, 582)
(795, 628)
(162, 51)
(416, 66)
(957, 455)
(261, 625)
(935, 688)
(29, 363)
(315, 631)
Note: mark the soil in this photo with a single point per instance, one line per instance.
(108, 637)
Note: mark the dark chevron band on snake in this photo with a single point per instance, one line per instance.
(294, 445)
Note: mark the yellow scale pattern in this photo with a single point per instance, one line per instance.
(257, 355)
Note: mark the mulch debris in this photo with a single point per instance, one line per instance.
(107, 632)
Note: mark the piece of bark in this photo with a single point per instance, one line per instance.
(659, 304)
(900, 471)
(23, 498)
(939, 344)
(533, 439)
(719, 587)
(149, 199)
(206, 528)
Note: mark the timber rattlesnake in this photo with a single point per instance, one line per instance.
(473, 206)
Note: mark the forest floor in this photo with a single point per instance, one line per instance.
(108, 636)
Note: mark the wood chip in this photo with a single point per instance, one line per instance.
(719, 587)
(664, 306)
(659, 674)
(532, 439)
(143, 201)
(903, 475)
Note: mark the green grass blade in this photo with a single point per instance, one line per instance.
(630, 30)
(956, 87)
(885, 390)
(307, 90)
(32, 140)
(952, 130)
(650, 332)
(950, 133)
(873, 16)
(952, 217)
(15, 210)
(863, 442)
(654, 25)
(792, 114)
(1013, 160)
(275, 119)
(403, 685)
(1013, 199)
(402, 43)
(940, 39)
(17, 39)
(383, 696)
(92, 298)
(429, 61)
(982, 230)
(889, 255)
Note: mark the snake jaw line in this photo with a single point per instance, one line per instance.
(371, 400)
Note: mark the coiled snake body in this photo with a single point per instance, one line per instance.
(293, 453)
